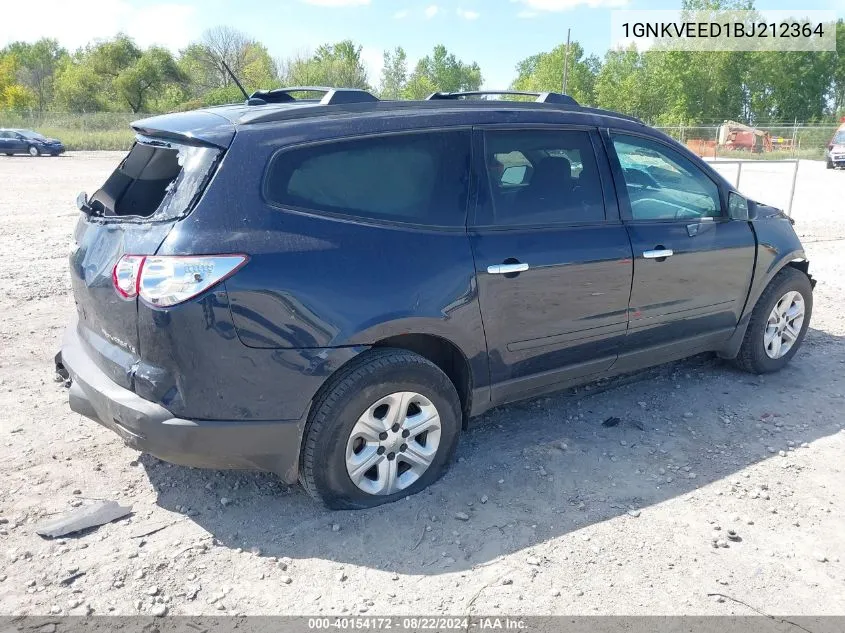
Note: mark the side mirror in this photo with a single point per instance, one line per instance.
(513, 175)
(741, 208)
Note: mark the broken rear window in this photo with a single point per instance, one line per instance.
(156, 181)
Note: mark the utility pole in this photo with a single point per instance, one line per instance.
(566, 60)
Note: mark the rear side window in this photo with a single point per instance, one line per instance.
(417, 178)
(543, 177)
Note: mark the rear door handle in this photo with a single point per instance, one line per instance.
(505, 269)
(658, 253)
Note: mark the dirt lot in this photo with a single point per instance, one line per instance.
(546, 511)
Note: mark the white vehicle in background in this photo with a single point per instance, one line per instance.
(836, 148)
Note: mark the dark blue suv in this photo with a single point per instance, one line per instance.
(330, 288)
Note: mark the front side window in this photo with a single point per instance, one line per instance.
(416, 178)
(543, 177)
(662, 184)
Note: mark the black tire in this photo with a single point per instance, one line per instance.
(829, 164)
(339, 404)
(10, 153)
(752, 355)
(37, 151)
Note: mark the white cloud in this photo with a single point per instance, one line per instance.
(74, 24)
(468, 15)
(566, 5)
(401, 15)
(338, 3)
(431, 11)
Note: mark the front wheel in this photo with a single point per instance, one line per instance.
(778, 323)
(34, 151)
(829, 164)
(384, 428)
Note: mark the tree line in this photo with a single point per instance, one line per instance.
(663, 88)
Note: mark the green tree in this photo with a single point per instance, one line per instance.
(259, 71)
(77, 87)
(394, 74)
(204, 64)
(337, 65)
(116, 75)
(544, 73)
(13, 96)
(790, 85)
(37, 67)
(442, 72)
(150, 73)
(838, 88)
(621, 84)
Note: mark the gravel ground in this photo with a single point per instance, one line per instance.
(546, 511)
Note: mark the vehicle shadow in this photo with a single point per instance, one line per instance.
(536, 470)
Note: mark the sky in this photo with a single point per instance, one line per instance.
(495, 33)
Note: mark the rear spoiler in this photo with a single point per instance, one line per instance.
(198, 127)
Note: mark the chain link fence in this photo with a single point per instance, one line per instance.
(771, 142)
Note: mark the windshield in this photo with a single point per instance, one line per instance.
(839, 138)
(157, 181)
(33, 135)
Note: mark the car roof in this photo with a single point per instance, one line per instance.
(218, 124)
(243, 114)
(249, 115)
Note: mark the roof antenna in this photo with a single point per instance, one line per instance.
(249, 100)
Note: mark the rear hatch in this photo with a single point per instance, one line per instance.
(153, 188)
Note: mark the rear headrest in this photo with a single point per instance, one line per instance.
(552, 171)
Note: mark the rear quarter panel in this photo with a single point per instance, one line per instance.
(315, 281)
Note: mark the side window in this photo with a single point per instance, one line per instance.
(662, 184)
(543, 177)
(418, 178)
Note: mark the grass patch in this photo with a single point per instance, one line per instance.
(93, 131)
(814, 153)
(75, 140)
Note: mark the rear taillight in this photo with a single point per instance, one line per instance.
(125, 275)
(165, 281)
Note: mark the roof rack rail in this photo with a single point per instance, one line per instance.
(331, 96)
(541, 97)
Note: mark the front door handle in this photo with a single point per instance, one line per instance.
(661, 253)
(507, 269)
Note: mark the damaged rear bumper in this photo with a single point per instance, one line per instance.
(149, 427)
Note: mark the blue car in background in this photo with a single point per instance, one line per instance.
(28, 142)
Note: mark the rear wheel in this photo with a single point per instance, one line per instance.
(10, 153)
(384, 428)
(778, 323)
(34, 151)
